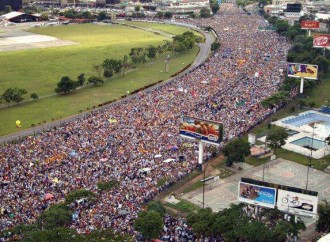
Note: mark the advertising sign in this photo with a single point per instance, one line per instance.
(257, 195)
(321, 41)
(204, 130)
(310, 24)
(302, 70)
(297, 203)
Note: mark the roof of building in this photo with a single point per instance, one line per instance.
(11, 15)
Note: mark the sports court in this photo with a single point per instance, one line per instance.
(221, 194)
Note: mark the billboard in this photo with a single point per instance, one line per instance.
(321, 41)
(200, 129)
(297, 203)
(309, 24)
(257, 195)
(293, 7)
(302, 70)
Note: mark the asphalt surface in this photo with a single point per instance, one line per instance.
(202, 56)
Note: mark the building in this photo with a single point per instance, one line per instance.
(18, 17)
(15, 4)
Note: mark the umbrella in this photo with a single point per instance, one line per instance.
(48, 196)
(174, 148)
(158, 156)
(123, 212)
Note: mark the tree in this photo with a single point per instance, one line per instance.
(7, 96)
(215, 7)
(34, 96)
(160, 14)
(236, 150)
(87, 15)
(149, 224)
(168, 15)
(323, 223)
(98, 69)
(7, 9)
(14, 95)
(323, 63)
(95, 80)
(201, 221)
(157, 207)
(276, 137)
(44, 17)
(56, 216)
(65, 85)
(111, 66)
(102, 16)
(125, 64)
(81, 80)
(215, 45)
(137, 8)
(205, 13)
(151, 52)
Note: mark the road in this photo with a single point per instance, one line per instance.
(204, 53)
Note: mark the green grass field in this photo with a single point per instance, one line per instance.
(167, 28)
(40, 69)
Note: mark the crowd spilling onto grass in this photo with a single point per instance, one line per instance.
(118, 143)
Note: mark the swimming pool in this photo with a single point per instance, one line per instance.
(308, 118)
(309, 143)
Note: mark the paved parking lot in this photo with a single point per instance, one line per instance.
(221, 194)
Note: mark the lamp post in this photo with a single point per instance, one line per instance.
(310, 157)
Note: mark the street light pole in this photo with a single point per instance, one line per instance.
(204, 185)
(310, 157)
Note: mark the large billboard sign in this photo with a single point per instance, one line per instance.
(200, 129)
(257, 195)
(302, 71)
(297, 203)
(321, 41)
(310, 24)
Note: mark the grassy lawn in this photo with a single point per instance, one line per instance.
(170, 29)
(39, 70)
(319, 164)
(183, 206)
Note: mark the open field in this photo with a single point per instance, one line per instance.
(167, 28)
(40, 69)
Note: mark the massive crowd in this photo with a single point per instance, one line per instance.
(119, 142)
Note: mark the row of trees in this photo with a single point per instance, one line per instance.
(67, 85)
(237, 223)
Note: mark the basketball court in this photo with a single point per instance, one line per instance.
(221, 194)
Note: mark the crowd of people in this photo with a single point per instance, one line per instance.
(129, 141)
